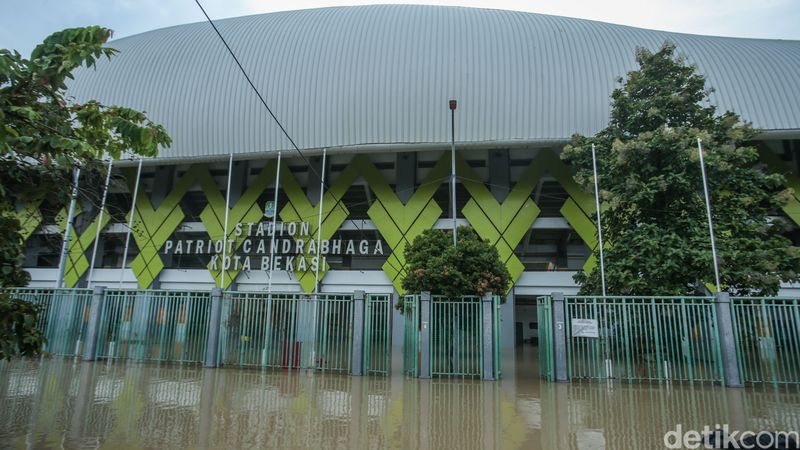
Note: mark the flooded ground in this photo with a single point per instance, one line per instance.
(61, 403)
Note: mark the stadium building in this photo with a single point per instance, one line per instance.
(363, 92)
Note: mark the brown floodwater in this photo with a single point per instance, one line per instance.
(58, 403)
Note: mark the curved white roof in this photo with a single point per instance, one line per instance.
(351, 77)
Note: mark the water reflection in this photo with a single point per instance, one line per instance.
(62, 403)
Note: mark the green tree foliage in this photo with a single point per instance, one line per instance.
(18, 332)
(473, 267)
(654, 219)
(44, 133)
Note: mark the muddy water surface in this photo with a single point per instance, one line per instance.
(61, 403)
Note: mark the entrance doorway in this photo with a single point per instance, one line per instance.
(526, 330)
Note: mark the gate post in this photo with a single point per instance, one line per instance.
(487, 336)
(425, 335)
(727, 340)
(93, 327)
(560, 337)
(212, 342)
(357, 356)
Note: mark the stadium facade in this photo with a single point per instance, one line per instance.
(363, 91)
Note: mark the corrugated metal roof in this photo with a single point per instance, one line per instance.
(382, 75)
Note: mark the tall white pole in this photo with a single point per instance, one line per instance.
(99, 223)
(274, 222)
(599, 222)
(62, 263)
(225, 225)
(130, 223)
(319, 220)
(453, 168)
(708, 213)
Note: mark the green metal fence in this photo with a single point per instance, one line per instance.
(644, 339)
(64, 317)
(290, 331)
(544, 319)
(456, 346)
(377, 334)
(154, 325)
(767, 332)
(411, 335)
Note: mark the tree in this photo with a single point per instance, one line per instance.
(654, 218)
(473, 267)
(44, 134)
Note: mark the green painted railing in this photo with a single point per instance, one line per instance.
(767, 332)
(154, 325)
(287, 330)
(456, 336)
(544, 317)
(377, 334)
(411, 335)
(456, 347)
(64, 317)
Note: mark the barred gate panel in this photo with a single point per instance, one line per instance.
(377, 334)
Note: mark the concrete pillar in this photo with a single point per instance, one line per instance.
(560, 337)
(93, 327)
(357, 357)
(406, 171)
(212, 343)
(727, 340)
(487, 336)
(499, 173)
(398, 333)
(425, 335)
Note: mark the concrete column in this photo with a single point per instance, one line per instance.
(357, 357)
(560, 337)
(425, 335)
(727, 340)
(93, 327)
(406, 170)
(487, 336)
(499, 173)
(212, 344)
(398, 332)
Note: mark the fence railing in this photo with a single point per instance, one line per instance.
(256, 329)
(767, 332)
(411, 333)
(660, 339)
(459, 338)
(154, 325)
(64, 317)
(377, 334)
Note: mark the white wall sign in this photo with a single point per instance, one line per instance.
(585, 328)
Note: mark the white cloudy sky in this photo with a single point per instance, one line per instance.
(23, 23)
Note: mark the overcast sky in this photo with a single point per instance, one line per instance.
(24, 23)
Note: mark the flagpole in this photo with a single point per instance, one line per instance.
(708, 214)
(453, 104)
(319, 221)
(599, 222)
(225, 225)
(130, 223)
(62, 263)
(274, 222)
(99, 224)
